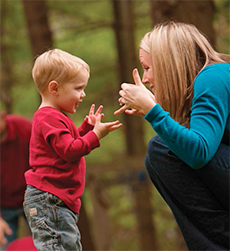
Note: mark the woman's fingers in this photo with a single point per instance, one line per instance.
(119, 111)
(136, 77)
(122, 101)
(134, 112)
(127, 91)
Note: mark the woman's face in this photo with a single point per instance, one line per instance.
(146, 63)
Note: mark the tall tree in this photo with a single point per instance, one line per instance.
(6, 76)
(124, 31)
(200, 13)
(135, 146)
(40, 35)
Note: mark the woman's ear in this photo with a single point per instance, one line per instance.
(53, 87)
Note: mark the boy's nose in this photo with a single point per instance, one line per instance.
(83, 94)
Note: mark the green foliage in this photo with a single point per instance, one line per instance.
(222, 25)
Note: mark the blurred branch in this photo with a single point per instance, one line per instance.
(6, 77)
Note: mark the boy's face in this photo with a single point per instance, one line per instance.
(72, 93)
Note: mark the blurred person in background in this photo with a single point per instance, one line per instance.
(15, 133)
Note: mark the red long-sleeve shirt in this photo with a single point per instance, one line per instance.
(14, 161)
(57, 150)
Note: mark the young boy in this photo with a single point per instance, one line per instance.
(57, 149)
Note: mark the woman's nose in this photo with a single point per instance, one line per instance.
(144, 80)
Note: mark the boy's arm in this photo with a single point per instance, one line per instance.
(63, 137)
(85, 127)
(65, 145)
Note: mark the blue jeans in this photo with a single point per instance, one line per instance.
(53, 224)
(199, 199)
(11, 216)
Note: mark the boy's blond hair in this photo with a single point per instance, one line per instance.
(56, 65)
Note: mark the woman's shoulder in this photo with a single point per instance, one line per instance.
(220, 68)
(214, 75)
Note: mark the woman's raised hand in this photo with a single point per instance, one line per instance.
(136, 99)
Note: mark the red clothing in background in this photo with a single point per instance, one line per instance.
(57, 148)
(14, 161)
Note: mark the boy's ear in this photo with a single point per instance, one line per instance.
(53, 87)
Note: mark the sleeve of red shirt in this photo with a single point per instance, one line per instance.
(68, 147)
(84, 127)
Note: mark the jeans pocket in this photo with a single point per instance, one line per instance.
(34, 204)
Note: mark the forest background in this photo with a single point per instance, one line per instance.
(121, 208)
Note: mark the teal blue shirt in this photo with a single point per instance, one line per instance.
(209, 123)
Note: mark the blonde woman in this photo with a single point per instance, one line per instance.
(188, 108)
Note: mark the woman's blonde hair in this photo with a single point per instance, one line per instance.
(178, 53)
(56, 65)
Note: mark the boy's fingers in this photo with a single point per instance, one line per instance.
(136, 77)
(91, 111)
(114, 125)
(99, 110)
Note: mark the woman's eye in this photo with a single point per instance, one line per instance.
(145, 67)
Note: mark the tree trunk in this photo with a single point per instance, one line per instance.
(200, 13)
(100, 212)
(85, 229)
(124, 31)
(36, 15)
(6, 76)
(135, 146)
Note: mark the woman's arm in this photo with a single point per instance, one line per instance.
(210, 110)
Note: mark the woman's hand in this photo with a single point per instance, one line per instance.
(136, 99)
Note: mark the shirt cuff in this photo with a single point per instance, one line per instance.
(153, 113)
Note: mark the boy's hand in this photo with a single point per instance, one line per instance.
(102, 129)
(93, 117)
